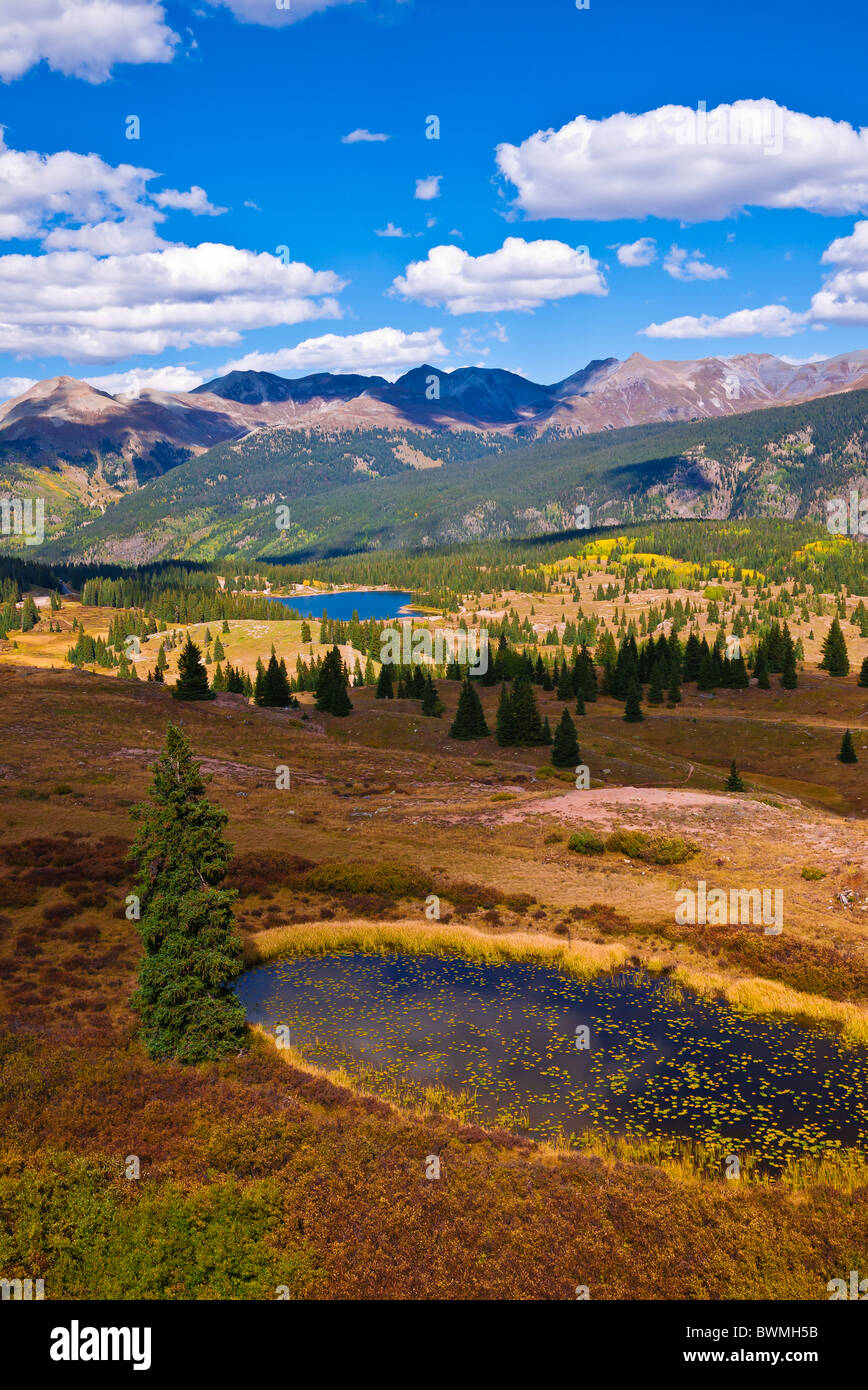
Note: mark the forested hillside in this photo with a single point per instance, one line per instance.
(378, 489)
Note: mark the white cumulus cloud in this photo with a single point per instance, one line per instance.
(82, 38)
(674, 162)
(429, 188)
(75, 201)
(771, 321)
(521, 275)
(842, 299)
(101, 309)
(137, 379)
(194, 200)
(12, 386)
(638, 253)
(362, 137)
(391, 230)
(268, 12)
(691, 265)
(380, 351)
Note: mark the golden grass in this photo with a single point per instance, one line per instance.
(580, 959)
(682, 1160)
(690, 1160)
(759, 996)
(403, 1095)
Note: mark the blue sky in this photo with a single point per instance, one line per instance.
(156, 260)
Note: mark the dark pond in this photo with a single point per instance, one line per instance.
(662, 1062)
(369, 603)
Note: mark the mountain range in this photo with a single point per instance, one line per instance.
(122, 441)
(363, 462)
(299, 495)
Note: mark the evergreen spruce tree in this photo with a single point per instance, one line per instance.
(504, 730)
(546, 736)
(655, 687)
(432, 705)
(331, 688)
(761, 670)
(848, 752)
(733, 781)
(417, 683)
(272, 690)
(259, 685)
(775, 647)
(564, 683)
(489, 675)
(835, 658)
(674, 692)
(469, 721)
(863, 674)
(158, 674)
(219, 654)
(385, 688)
(29, 614)
(580, 701)
(565, 749)
(692, 658)
(528, 725)
(633, 708)
(589, 675)
(789, 678)
(286, 695)
(192, 682)
(738, 676)
(707, 677)
(192, 950)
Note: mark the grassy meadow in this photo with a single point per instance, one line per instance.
(263, 1170)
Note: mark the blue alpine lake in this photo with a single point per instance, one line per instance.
(368, 603)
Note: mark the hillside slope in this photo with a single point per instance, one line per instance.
(356, 492)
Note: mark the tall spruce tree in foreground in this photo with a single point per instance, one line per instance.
(848, 752)
(192, 949)
(565, 749)
(835, 658)
(192, 682)
(469, 721)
